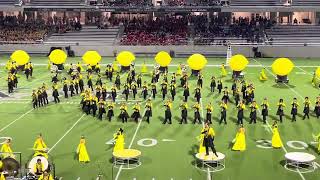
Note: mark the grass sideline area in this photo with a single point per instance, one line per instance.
(173, 155)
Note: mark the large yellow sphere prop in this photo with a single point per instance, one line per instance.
(238, 62)
(20, 57)
(58, 56)
(125, 58)
(197, 61)
(91, 57)
(282, 66)
(318, 72)
(163, 58)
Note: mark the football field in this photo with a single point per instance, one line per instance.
(168, 151)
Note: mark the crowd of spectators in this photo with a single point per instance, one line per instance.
(29, 30)
(218, 30)
(138, 3)
(169, 30)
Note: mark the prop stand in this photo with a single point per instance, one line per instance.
(237, 75)
(163, 69)
(195, 72)
(125, 68)
(282, 79)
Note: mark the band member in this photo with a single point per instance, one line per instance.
(110, 110)
(223, 112)
(173, 78)
(197, 116)
(104, 92)
(89, 82)
(168, 115)
(213, 84)
(40, 98)
(6, 150)
(237, 96)
(81, 83)
(208, 139)
(46, 176)
(10, 80)
(184, 112)
(317, 107)
(71, 88)
(97, 68)
(144, 91)
(101, 108)
(136, 112)
(98, 91)
(306, 109)
(219, 86)
(276, 140)
(164, 87)
(225, 96)
(99, 80)
(40, 147)
(240, 140)
(89, 69)
(124, 113)
(117, 82)
(244, 89)
(65, 87)
(44, 94)
(148, 112)
(55, 93)
(234, 87)
(126, 91)
(294, 109)
(200, 80)
(134, 87)
(93, 105)
(34, 99)
(139, 80)
(280, 112)
(186, 92)
(114, 93)
(197, 94)
(109, 72)
(82, 151)
(87, 101)
(173, 90)
(241, 107)
(38, 168)
(209, 109)
(253, 112)
(154, 90)
(265, 109)
(183, 80)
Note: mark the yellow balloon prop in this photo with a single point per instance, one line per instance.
(197, 61)
(91, 57)
(282, 66)
(238, 62)
(58, 56)
(318, 72)
(163, 58)
(125, 58)
(20, 57)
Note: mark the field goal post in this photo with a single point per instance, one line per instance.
(229, 54)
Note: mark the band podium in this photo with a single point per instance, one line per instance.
(210, 163)
(300, 162)
(127, 158)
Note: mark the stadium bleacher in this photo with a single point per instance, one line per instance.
(7, 2)
(255, 3)
(306, 3)
(294, 34)
(88, 34)
(56, 2)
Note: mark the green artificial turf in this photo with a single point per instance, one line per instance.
(63, 124)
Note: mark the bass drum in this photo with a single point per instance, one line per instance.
(11, 167)
(33, 162)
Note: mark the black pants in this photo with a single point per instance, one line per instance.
(167, 118)
(294, 117)
(306, 115)
(223, 118)
(212, 89)
(209, 118)
(185, 98)
(264, 118)
(66, 94)
(213, 150)
(280, 118)
(56, 99)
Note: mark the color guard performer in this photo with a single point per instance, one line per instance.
(82, 151)
(40, 148)
(276, 140)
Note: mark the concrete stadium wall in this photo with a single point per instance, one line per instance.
(267, 51)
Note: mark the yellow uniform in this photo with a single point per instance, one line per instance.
(38, 168)
(240, 141)
(119, 139)
(48, 177)
(276, 140)
(82, 151)
(6, 150)
(39, 148)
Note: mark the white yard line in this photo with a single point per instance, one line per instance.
(284, 149)
(306, 72)
(20, 117)
(131, 143)
(65, 134)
